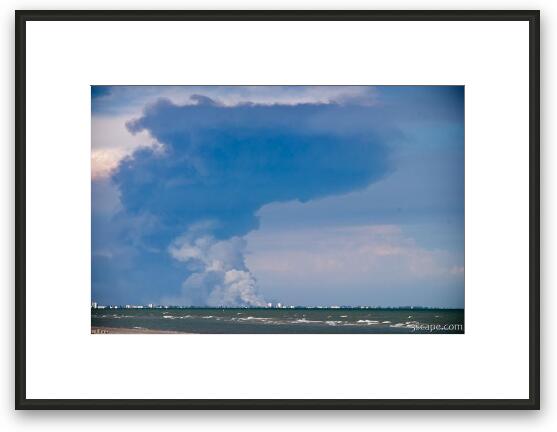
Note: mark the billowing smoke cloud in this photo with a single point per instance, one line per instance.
(220, 165)
(219, 274)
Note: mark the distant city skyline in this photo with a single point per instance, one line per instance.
(299, 195)
(95, 305)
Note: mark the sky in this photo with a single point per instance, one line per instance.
(304, 195)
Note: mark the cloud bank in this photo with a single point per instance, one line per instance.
(219, 165)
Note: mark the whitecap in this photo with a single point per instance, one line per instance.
(333, 323)
(303, 320)
(369, 322)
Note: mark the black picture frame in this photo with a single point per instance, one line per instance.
(531, 16)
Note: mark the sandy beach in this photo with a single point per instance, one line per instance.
(119, 330)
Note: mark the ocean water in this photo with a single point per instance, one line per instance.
(286, 321)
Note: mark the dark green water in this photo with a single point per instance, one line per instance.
(290, 321)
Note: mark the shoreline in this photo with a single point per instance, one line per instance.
(127, 330)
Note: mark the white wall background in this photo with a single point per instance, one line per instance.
(246, 421)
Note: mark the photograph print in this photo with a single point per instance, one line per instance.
(277, 209)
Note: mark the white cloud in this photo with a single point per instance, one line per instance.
(132, 99)
(111, 142)
(374, 253)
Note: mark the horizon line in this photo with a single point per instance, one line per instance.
(153, 306)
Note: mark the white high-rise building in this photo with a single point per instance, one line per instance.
(94, 305)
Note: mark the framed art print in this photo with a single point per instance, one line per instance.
(277, 209)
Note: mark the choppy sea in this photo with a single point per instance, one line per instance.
(286, 321)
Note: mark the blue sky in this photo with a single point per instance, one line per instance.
(234, 195)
